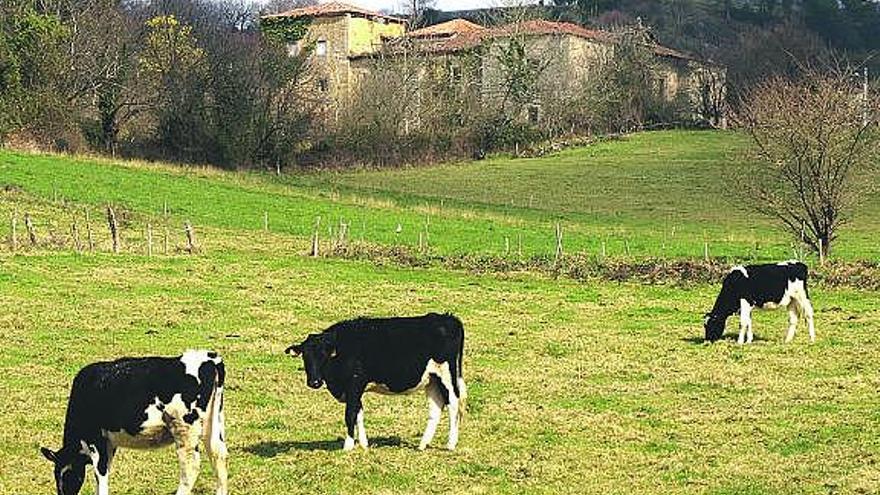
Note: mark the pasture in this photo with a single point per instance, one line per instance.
(659, 194)
(594, 387)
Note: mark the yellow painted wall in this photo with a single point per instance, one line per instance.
(365, 35)
(346, 36)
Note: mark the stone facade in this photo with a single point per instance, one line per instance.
(338, 34)
(347, 42)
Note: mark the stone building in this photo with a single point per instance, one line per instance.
(348, 41)
(336, 34)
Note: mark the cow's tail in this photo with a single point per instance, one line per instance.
(215, 429)
(798, 271)
(806, 273)
(462, 388)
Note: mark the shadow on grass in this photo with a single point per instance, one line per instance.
(272, 448)
(730, 336)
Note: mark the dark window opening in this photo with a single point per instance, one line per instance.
(455, 74)
(533, 114)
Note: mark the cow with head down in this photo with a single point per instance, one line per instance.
(767, 286)
(143, 403)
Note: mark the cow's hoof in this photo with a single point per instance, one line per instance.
(348, 445)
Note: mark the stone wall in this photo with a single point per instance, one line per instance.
(333, 79)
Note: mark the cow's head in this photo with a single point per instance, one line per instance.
(714, 326)
(316, 350)
(70, 469)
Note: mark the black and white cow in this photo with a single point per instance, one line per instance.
(768, 286)
(389, 356)
(143, 403)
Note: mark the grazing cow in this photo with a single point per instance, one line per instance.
(389, 356)
(143, 403)
(767, 286)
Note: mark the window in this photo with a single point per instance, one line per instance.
(533, 114)
(321, 48)
(534, 66)
(455, 74)
(323, 85)
(661, 88)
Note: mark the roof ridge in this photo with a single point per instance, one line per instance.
(331, 8)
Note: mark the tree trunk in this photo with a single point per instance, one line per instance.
(824, 243)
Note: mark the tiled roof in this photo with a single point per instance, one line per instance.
(333, 9)
(539, 26)
(665, 51)
(447, 29)
(459, 34)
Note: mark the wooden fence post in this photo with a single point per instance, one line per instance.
(165, 226)
(519, 244)
(114, 228)
(74, 232)
(427, 233)
(314, 251)
(558, 242)
(29, 225)
(149, 239)
(343, 233)
(190, 237)
(706, 250)
(89, 237)
(14, 237)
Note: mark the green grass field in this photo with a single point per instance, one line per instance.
(659, 194)
(594, 387)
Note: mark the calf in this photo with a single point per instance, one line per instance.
(765, 287)
(143, 403)
(389, 356)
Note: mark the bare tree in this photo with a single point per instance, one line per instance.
(279, 6)
(415, 10)
(812, 148)
(711, 95)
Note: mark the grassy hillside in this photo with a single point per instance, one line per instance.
(651, 195)
(574, 388)
(665, 192)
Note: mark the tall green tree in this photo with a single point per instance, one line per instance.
(31, 61)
